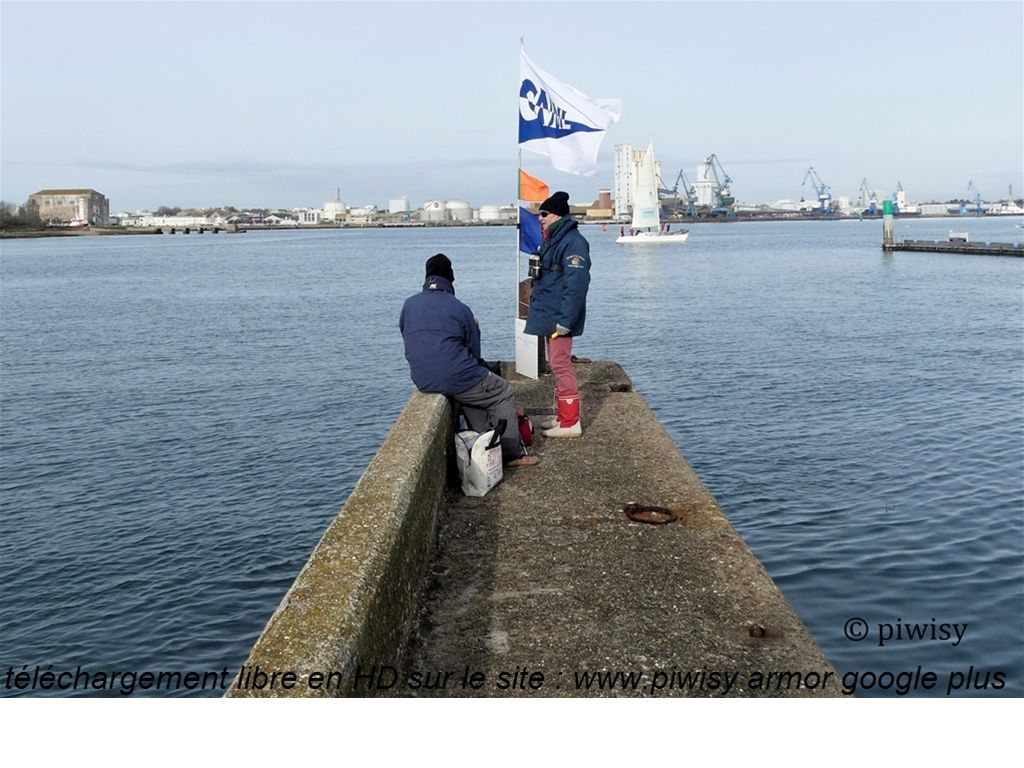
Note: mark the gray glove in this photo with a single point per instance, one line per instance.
(561, 330)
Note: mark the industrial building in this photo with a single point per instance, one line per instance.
(711, 192)
(712, 185)
(627, 166)
(602, 207)
(71, 206)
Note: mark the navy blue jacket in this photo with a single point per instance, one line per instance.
(560, 294)
(442, 340)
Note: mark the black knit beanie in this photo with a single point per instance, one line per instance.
(557, 204)
(441, 266)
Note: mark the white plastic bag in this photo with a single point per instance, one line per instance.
(479, 459)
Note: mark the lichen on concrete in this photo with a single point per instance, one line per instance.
(354, 600)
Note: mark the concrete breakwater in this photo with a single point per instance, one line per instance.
(545, 587)
(952, 246)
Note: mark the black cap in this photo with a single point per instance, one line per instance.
(557, 204)
(441, 266)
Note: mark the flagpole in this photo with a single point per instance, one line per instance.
(519, 192)
(529, 349)
(519, 224)
(526, 363)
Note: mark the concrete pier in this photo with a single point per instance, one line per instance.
(547, 577)
(545, 587)
(954, 246)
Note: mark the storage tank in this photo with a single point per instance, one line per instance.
(335, 210)
(490, 213)
(433, 211)
(459, 210)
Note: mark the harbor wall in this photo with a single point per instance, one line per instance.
(355, 599)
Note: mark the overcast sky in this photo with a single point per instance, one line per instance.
(278, 104)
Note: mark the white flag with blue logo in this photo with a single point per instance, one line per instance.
(558, 121)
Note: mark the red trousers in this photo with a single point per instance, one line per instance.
(560, 359)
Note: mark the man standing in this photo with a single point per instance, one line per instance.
(558, 306)
(442, 345)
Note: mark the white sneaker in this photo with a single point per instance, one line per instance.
(574, 431)
(546, 422)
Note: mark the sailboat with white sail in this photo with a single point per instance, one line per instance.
(646, 224)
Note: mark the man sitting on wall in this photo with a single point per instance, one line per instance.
(442, 345)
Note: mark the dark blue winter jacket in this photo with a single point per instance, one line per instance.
(560, 294)
(442, 340)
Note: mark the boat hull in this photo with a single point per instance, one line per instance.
(653, 238)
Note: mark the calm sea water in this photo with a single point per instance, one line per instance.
(182, 416)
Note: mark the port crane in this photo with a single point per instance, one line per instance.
(977, 196)
(691, 194)
(869, 198)
(899, 197)
(714, 172)
(821, 189)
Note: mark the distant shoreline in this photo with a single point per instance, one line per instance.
(242, 228)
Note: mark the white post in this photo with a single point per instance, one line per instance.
(527, 347)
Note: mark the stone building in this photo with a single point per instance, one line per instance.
(67, 206)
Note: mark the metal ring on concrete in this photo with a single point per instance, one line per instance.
(648, 514)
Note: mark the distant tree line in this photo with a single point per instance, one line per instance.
(13, 216)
